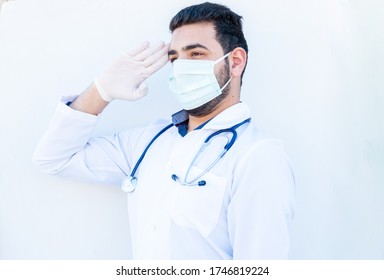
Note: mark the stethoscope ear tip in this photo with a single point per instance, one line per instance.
(201, 183)
(176, 179)
(129, 183)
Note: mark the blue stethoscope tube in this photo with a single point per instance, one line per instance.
(129, 184)
(194, 181)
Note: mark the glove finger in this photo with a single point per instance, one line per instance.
(143, 55)
(144, 45)
(156, 56)
(157, 65)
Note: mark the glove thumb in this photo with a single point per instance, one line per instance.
(140, 91)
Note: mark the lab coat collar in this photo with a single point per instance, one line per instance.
(229, 117)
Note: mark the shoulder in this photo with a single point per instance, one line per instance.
(253, 140)
(262, 157)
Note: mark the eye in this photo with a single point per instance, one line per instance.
(196, 54)
(172, 58)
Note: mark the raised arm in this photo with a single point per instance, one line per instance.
(67, 148)
(123, 79)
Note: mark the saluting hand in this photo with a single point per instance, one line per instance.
(125, 77)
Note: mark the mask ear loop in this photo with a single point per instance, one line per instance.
(217, 61)
(222, 58)
(226, 84)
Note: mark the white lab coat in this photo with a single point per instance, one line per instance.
(243, 212)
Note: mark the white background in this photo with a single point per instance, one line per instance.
(315, 79)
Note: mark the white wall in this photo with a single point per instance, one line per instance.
(314, 79)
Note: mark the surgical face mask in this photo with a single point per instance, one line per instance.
(194, 83)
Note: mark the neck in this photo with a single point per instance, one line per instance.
(195, 121)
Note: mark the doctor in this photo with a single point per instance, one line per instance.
(206, 184)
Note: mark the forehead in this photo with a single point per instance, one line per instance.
(196, 33)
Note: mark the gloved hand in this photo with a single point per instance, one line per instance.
(124, 78)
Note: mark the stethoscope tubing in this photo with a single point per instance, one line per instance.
(226, 149)
(147, 148)
(129, 184)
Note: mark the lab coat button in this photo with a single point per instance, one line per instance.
(152, 228)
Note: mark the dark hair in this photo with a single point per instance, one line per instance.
(227, 24)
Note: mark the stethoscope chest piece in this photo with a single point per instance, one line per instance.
(129, 184)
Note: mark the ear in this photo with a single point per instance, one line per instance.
(239, 59)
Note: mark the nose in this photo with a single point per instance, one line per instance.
(182, 56)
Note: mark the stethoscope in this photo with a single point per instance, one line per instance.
(129, 183)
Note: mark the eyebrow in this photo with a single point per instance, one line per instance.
(187, 48)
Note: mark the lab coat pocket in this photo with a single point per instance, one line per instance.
(198, 207)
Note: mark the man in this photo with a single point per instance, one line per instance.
(228, 199)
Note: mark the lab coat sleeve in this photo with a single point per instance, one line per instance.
(66, 149)
(262, 204)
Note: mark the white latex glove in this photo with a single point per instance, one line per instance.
(124, 78)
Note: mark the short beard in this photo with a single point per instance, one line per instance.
(209, 107)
